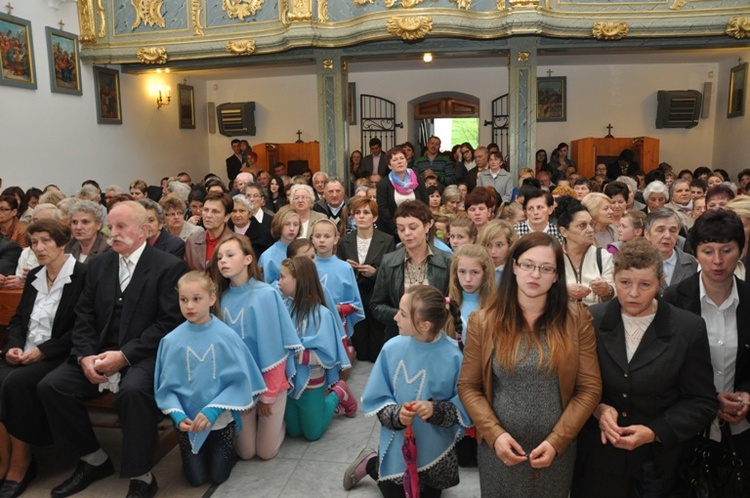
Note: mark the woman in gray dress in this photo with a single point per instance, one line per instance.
(530, 377)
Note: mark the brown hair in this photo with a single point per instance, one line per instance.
(172, 202)
(308, 294)
(209, 285)
(495, 229)
(464, 222)
(223, 199)
(57, 230)
(428, 304)
(480, 195)
(414, 209)
(487, 290)
(363, 202)
(297, 246)
(280, 219)
(639, 254)
(253, 271)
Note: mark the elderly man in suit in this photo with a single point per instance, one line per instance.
(662, 229)
(129, 302)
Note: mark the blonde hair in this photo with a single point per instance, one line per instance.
(280, 219)
(740, 205)
(464, 222)
(594, 202)
(486, 290)
(509, 210)
(495, 229)
(204, 279)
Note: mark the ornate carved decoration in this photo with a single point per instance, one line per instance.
(608, 30)
(523, 57)
(86, 21)
(677, 4)
(197, 27)
(152, 55)
(407, 4)
(362, 2)
(102, 19)
(328, 64)
(322, 10)
(515, 4)
(547, 5)
(462, 4)
(410, 28)
(148, 12)
(241, 8)
(299, 10)
(739, 27)
(241, 47)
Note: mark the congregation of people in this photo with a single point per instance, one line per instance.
(568, 336)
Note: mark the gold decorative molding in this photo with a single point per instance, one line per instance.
(410, 28)
(148, 12)
(197, 27)
(299, 10)
(362, 2)
(241, 9)
(739, 27)
(322, 10)
(241, 47)
(462, 4)
(547, 5)
(407, 4)
(102, 19)
(86, 21)
(677, 4)
(523, 4)
(152, 55)
(523, 57)
(609, 30)
(345, 67)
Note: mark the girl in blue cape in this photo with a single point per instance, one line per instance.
(285, 227)
(204, 377)
(413, 383)
(309, 409)
(258, 315)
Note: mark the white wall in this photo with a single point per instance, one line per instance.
(732, 143)
(625, 96)
(49, 137)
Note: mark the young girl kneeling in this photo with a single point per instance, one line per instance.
(204, 377)
(309, 409)
(413, 383)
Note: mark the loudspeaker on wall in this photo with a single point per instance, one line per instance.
(708, 88)
(211, 117)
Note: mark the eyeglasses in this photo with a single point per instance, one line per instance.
(5, 210)
(173, 214)
(297, 199)
(528, 267)
(255, 196)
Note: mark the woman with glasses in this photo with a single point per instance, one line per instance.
(530, 377)
(174, 218)
(302, 197)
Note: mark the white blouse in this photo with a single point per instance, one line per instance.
(46, 303)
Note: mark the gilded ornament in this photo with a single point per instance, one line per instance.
(362, 2)
(410, 28)
(408, 4)
(514, 4)
(322, 10)
(152, 55)
(241, 47)
(390, 3)
(300, 10)
(677, 4)
(241, 8)
(102, 19)
(328, 64)
(500, 4)
(523, 57)
(148, 12)
(462, 4)
(197, 27)
(86, 21)
(608, 30)
(739, 27)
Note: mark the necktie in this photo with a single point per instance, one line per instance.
(125, 273)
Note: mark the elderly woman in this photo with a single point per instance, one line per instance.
(10, 226)
(619, 193)
(530, 376)
(239, 221)
(174, 218)
(655, 195)
(600, 208)
(480, 207)
(682, 202)
(138, 190)
(588, 270)
(38, 341)
(416, 262)
(302, 197)
(158, 236)
(402, 184)
(86, 220)
(451, 200)
(657, 379)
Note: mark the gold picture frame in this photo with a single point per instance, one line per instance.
(186, 106)
(737, 90)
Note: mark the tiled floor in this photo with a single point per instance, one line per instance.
(302, 469)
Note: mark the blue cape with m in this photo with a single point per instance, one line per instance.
(338, 276)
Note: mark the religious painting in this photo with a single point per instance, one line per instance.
(107, 87)
(64, 63)
(186, 107)
(551, 100)
(351, 104)
(737, 85)
(16, 53)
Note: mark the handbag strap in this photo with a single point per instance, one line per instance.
(728, 442)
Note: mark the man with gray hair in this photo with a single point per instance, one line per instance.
(89, 193)
(662, 229)
(481, 158)
(111, 192)
(318, 184)
(178, 188)
(332, 204)
(240, 182)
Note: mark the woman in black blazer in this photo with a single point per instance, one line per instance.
(657, 379)
(39, 340)
(367, 241)
(401, 184)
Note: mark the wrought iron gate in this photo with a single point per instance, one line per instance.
(499, 122)
(378, 119)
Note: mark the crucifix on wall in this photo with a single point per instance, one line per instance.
(299, 137)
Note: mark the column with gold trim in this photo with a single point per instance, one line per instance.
(332, 124)
(523, 97)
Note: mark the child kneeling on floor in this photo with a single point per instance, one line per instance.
(204, 377)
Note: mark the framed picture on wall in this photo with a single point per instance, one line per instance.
(737, 85)
(17, 53)
(551, 100)
(186, 99)
(64, 63)
(107, 89)
(351, 104)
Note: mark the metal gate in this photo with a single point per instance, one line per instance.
(378, 119)
(499, 122)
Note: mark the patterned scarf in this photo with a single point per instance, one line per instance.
(405, 186)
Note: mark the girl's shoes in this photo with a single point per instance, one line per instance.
(347, 403)
(357, 470)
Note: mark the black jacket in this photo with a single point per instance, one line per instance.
(387, 204)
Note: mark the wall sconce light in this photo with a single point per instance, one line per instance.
(160, 100)
(427, 57)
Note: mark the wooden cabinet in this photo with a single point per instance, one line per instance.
(588, 152)
(270, 153)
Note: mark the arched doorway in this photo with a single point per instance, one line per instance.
(452, 116)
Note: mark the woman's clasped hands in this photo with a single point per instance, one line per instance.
(511, 453)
